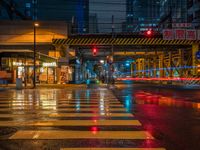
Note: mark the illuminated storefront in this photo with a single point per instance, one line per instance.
(23, 68)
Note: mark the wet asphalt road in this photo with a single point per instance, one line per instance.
(172, 116)
(69, 119)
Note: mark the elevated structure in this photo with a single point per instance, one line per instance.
(154, 57)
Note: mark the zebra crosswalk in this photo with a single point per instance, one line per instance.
(66, 118)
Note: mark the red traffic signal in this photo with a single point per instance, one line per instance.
(149, 33)
(94, 51)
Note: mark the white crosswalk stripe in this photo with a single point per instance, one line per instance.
(99, 108)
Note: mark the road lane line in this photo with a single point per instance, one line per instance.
(52, 123)
(49, 134)
(91, 115)
(61, 109)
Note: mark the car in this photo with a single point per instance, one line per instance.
(92, 83)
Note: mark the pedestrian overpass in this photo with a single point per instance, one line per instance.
(154, 57)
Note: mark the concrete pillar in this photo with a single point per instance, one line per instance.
(67, 55)
(195, 48)
(170, 65)
(154, 66)
(132, 69)
(161, 65)
(149, 67)
(181, 60)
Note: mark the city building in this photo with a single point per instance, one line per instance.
(75, 12)
(111, 14)
(93, 23)
(142, 15)
(172, 11)
(193, 7)
(17, 52)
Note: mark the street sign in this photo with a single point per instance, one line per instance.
(198, 35)
(181, 25)
(198, 55)
(191, 35)
(180, 34)
(168, 34)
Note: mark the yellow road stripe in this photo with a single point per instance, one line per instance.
(44, 134)
(59, 101)
(60, 109)
(112, 149)
(72, 123)
(62, 105)
(75, 114)
(91, 115)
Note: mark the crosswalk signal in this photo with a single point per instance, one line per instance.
(94, 51)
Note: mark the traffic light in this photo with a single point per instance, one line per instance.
(94, 51)
(149, 33)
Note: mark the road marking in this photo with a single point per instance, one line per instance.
(112, 149)
(61, 109)
(75, 114)
(51, 134)
(62, 105)
(59, 101)
(94, 122)
(106, 114)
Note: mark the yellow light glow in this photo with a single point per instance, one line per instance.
(36, 24)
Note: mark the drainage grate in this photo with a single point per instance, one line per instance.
(7, 131)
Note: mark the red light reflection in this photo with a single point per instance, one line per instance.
(159, 79)
(94, 130)
(163, 100)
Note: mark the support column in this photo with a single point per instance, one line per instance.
(141, 68)
(161, 66)
(170, 65)
(132, 69)
(195, 48)
(154, 66)
(181, 60)
(149, 67)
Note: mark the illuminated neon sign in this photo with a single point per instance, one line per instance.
(52, 64)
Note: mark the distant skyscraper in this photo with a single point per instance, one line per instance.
(193, 7)
(173, 11)
(105, 10)
(142, 14)
(93, 23)
(64, 10)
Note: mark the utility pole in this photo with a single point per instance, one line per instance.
(34, 45)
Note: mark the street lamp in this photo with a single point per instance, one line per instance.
(34, 50)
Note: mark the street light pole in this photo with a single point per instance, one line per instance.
(34, 55)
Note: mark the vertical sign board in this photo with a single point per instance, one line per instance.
(198, 55)
(168, 34)
(191, 35)
(181, 25)
(198, 35)
(180, 34)
(64, 74)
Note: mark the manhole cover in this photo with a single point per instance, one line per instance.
(7, 131)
